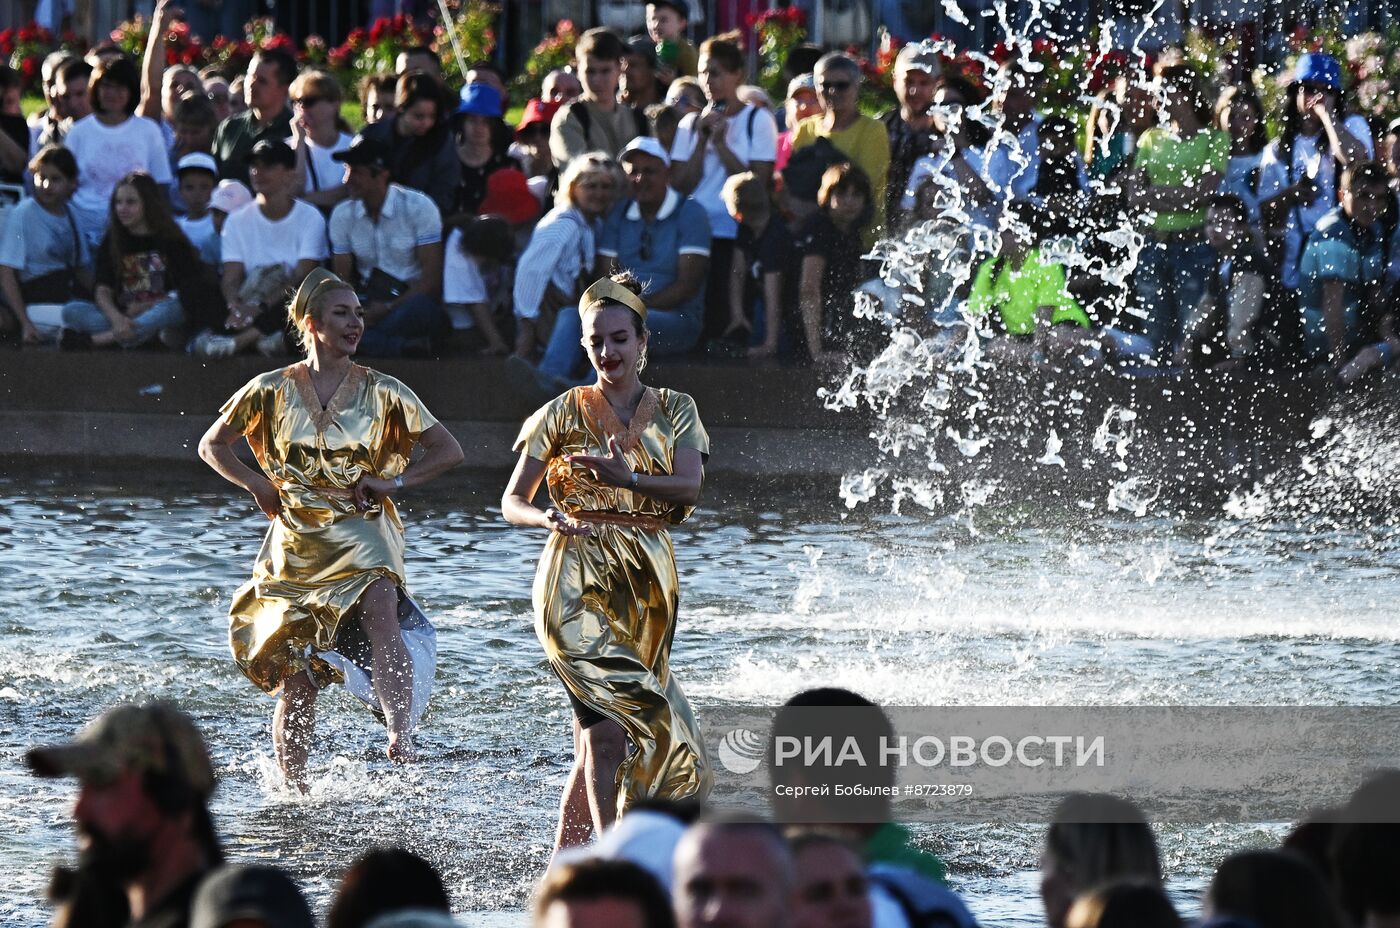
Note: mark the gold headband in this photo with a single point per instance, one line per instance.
(608, 289)
(316, 283)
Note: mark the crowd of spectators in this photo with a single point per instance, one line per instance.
(152, 856)
(1161, 228)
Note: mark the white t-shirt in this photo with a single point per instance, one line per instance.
(462, 284)
(198, 231)
(253, 240)
(752, 136)
(322, 171)
(1308, 158)
(106, 154)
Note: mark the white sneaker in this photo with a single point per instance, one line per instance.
(272, 345)
(210, 345)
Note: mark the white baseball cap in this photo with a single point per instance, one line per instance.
(647, 146)
(198, 159)
(230, 196)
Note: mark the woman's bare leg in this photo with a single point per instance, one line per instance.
(575, 819)
(605, 748)
(393, 669)
(293, 724)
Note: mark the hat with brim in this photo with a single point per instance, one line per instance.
(230, 196)
(364, 152)
(197, 161)
(802, 83)
(645, 145)
(480, 99)
(1319, 70)
(537, 112)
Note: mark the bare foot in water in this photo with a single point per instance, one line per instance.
(401, 749)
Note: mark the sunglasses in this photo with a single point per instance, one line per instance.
(308, 102)
(835, 86)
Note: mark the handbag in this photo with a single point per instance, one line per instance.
(58, 286)
(384, 288)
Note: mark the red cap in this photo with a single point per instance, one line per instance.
(508, 196)
(538, 111)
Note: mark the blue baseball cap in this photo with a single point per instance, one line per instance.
(480, 99)
(1318, 68)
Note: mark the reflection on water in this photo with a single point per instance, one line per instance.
(117, 585)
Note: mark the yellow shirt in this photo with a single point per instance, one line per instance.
(867, 143)
(1171, 161)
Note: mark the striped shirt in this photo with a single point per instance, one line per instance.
(563, 245)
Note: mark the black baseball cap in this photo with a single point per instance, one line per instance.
(273, 151)
(365, 152)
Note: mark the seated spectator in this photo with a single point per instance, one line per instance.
(267, 117)
(146, 270)
(1123, 904)
(46, 123)
(377, 97)
(596, 121)
(531, 146)
(508, 196)
(163, 84)
(859, 137)
(743, 867)
(685, 96)
(194, 126)
(1114, 127)
(560, 86)
(1300, 172)
(72, 83)
(1094, 839)
(1240, 115)
(382, 881)
(565, 242)
(1380, 355)
(143, 814)
(595, 893)
(955, 161)
(228, 198)
(639, 87)
(14, 131)
(43, 260)
(764, 268)
(250, 897)
(1011, 160)
(917, 74)
(485, 71)
(1175, 171)
(110, 144)
(1272, 889)
(662, 238)
(1366, 852)
(1061, 184)
(219, 93)
(387, 240)
(317, 134)
(832, 890)
(832, 267)
(478, 248)
(419, 140)
(727, 138)
(196, 177)
(1342, 271)
(1241, 316)
(478, 118)
(667, 21)
(269, 246)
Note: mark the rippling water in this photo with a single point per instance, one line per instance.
(117, 585)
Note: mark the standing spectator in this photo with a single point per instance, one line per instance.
(377, 97)
(419, 140)
(269, 246)
(244, 896)
(42, 256)
(685, 96)
(71, 85)
(237, 97)
(1061, 184)
(727, 138)
(1299, 173)
(560, 86)
(857, 136)
(596, 121)
(1272, 888)
(830, 245)
(46, 122)
(667, 21)
(802, 102)
(661, 237)
(640, 87)
(112, 143)
(1239, 114)
(418, 58)
(591, 893)
(220, 94)
(387, 240)
(196, 177)
(194, 127)
(1342, 271)
(144, 781)
(954, 162)
(1012, 157)
(1113, 129)
(268, 115)
(917, 73)
(146, 270)
(764, 263)
(733, 873)
(478, 119)
(1174, 173)
(564, 242)
(14, 131)
(317, 135)
(163, 84)
(832, 890)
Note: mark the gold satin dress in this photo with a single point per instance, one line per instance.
(321, 553)
(605, 604)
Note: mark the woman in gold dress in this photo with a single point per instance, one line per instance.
(623, 461)
(333, 440)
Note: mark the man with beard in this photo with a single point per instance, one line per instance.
(144, 779)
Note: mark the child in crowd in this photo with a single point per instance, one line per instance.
(802, 102)
(195, 175)
(377, 97)
(228, 198)
(831, 248)
(685, 96)
(763, 266)
(1240, 316)
(146, 267)
(1062, 182)
(664, 121)
(667, 21)
(531, 146)
(477, 252)
(42, 255)
(193, 128)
